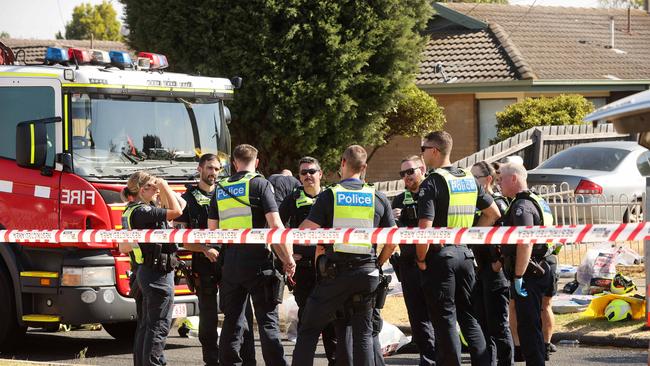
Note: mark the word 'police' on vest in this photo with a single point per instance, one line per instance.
(462, 185)
(363, 199)
(236, 190)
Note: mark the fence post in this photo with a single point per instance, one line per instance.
(538, 154)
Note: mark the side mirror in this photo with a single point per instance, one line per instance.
(227, 117)
(237, 82)
(31, 142)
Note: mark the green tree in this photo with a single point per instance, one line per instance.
(318, 75)
(100, 21)
(58, 35)
(416, 114)
(566, 109)
(4, 34)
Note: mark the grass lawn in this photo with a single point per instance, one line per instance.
(395, 312)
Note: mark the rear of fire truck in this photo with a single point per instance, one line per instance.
(72, 130)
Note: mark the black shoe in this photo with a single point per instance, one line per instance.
(519, 357)
(552, 347)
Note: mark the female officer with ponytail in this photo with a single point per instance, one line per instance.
(491, 293)
(155, 273)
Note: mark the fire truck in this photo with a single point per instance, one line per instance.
(72, 130)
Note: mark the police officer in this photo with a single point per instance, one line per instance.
(155, 276)
(349, 270)
(283, 184)
(448, 198)
(526, 265)
(491, 291)
(405, 211)
(293, 211)
(205, 267)
(244, 201)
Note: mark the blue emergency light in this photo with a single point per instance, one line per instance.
(120, 59)
(56, 55)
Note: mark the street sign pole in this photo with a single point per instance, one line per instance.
(646, 249)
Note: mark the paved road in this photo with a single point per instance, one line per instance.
(102, 349)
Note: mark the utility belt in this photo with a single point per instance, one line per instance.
(537, 266)
(272, 280)
(328, 269)
(159, 261)
(305, 263)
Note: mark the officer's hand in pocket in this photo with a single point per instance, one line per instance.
(397, 212)
(519, 287)
(496, 266)
(422, 265)
(212, 254)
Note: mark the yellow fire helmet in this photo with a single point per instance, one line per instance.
(618, 310)
(622, 285)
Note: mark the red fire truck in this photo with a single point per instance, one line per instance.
(72, 130)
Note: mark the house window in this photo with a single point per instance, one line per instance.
(598, 101)
(487, 119)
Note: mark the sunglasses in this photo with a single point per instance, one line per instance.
(425, 148)
(410, 171)
(309, 171)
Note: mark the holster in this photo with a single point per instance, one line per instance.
(273, 282)
(394, 261)
(162, 262)
(324, 269)
(134, 289)
(382, 291)
(536, 268)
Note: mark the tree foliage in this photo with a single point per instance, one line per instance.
(416, 114)
(100, 21)
(318, 75)
(566, 109)
(4, 34)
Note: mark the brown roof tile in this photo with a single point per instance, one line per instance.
(465, 56)
(568, 43)
(35, 48)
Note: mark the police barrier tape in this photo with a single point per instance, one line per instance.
(476, 235)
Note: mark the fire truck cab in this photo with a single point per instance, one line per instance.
(71, 132)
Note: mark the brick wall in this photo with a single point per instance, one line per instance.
(460, 111)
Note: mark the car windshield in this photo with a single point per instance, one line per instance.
(587, 158)
(114, 136)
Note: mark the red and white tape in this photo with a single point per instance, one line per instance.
(475, 235)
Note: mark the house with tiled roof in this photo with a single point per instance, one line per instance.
(32, 51)
(480, 58)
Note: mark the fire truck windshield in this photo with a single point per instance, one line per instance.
(114, 136)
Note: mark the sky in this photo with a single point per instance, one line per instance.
(41, 19)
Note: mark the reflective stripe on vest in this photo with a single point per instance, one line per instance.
(353, 208)
(126, 224)
(463, 193)
(200, 198)
(408, 198)
(304, 200)
(232, 213)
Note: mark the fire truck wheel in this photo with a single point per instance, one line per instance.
(11, 333)
(124, 331)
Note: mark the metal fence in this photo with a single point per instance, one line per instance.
(569, 208)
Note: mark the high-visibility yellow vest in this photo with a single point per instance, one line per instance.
(304, 200)
(463, 193)
(136, 254)
(200, 198)
(234, 214)
(353, 208)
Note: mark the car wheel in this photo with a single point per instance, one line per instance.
(11, 333)
(124, 331)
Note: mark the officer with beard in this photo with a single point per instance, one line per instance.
(206, 266)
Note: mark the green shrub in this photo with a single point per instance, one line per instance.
(567, 109)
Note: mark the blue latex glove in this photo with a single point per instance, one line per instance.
(519, 287)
